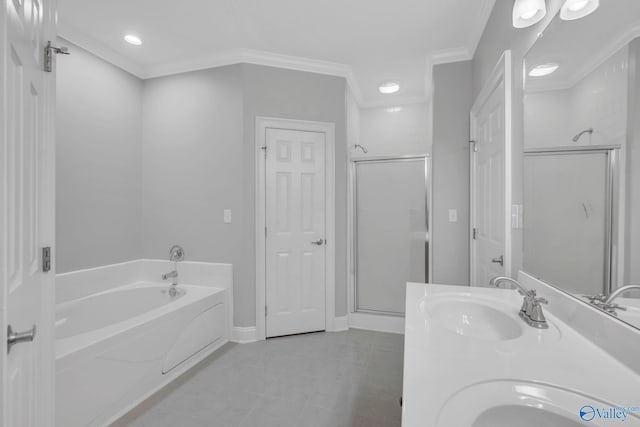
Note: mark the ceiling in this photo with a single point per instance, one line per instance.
(581, 46)
(366, 41)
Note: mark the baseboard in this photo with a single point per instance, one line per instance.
(377, 322)
(244, 335)
(340, 324)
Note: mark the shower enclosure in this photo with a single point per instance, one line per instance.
(570, 216)
(390, 232)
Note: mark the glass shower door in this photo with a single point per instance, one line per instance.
(390, 223)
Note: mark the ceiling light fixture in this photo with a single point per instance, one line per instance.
(389, 87)
(544, 69)
(576, 9)
(393, 109)
(528, 12)
(134, 40)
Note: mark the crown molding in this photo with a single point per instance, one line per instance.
(72, 35)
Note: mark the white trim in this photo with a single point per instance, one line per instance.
(98, 49)
(502, 72)
(377, 322)
(340, 324)
(262, 123)
(244, 335)
(272, 59)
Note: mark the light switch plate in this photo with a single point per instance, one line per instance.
(227, 216)
(453, 215)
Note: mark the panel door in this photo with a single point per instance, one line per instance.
(27, 213)
(295, 219)
(489, 182)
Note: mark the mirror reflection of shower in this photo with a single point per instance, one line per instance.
(578, 136)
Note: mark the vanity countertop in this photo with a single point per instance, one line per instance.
(439, 363)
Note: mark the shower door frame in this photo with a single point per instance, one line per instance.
(613, 202)
(352, 225)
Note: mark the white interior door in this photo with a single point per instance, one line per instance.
(490, 178)
(27, 214)
(295, 241)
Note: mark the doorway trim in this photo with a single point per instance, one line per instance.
(502, 72)
(262, 124)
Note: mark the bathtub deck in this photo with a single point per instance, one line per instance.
(345, 379)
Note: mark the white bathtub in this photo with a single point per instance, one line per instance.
(116, 345)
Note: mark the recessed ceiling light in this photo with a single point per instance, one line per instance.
(528, 12)
(393, 109)
(576, 9)
(544, 69)
(134, 40)
(389, 87)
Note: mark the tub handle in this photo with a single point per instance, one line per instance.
(18, 337)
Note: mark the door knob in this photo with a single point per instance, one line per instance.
(18, 337)
(318, 242)
(499, 260)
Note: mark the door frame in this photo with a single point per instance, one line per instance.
(262, 124)
(502, 73)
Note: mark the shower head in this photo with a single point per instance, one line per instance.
(364, 150)
(577, 137)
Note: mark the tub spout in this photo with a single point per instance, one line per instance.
(171, 275)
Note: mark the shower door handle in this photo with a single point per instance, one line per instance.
(318, 242)
(499, 260)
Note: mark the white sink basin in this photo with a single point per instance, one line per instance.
(477, 319)
(525, 404)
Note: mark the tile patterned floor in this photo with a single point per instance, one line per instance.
(345, 379)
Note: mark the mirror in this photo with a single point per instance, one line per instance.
(582, 158)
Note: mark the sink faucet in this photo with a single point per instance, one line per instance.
(613, 295)
(176, 253)
(531, 310)
(605, 302)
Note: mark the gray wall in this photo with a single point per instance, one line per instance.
(98, 158)
(500, 35)
(274, 92)
(403, 132)
(199, 159)
(452, 100)
(192, 163)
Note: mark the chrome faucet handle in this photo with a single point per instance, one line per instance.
(176, 253)
(540, 301)
(595, 298)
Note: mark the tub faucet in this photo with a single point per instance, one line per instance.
(531, 310)
(176, 253)
(171, 275)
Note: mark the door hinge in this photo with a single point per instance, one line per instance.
(46, 259)
(474, 145)
(264, 150)
(475, 234)
(49, 51)
(265, 311)
(265, 232)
